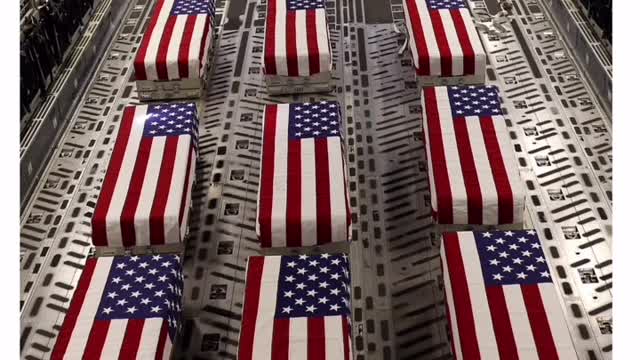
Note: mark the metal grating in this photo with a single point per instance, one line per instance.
(562, 140)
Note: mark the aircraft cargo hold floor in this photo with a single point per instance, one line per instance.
(561, 136)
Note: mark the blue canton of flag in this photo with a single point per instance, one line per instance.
(171, 120)
(474, 100)
(305, 4)
(446, 4)
(512, 258)
(143, 287)
(192, 7)
(313, 286)
(314, 120)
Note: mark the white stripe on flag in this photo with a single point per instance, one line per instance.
(333, 337)
(121, 188)
(194, 46)
(479, 304)
(298, 338)
(453, 323)
(174, 47)
(204, 56)
(301, 43)
(168, 348)
(349, 346)
(457, 55)
(557, 323)
(149, 338)
(522, 334)
(281, 37)
(483, 171)
(78, 338)
(427, 144)
(154, 41)
(322, 33)
(266, 308)
(336, 190)
(511, 166)
(308, 215)
(476, 43)
(430, 38)
(172, 211)
(278, 205)
(452, 158)
(114, 339)
(187, 206)
(148, 191)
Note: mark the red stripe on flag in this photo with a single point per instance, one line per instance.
(501, 323)
(183, 53)
(164, 330)
(250, 310)
(446, 60)
(346, 336)
(315, 339)
(312, 43)
(292, 52)
(270, 39)
(203, 51)
(163, 187)
(266, 176)
(539, 322)
(183, 201)
(423, 65)
(469, 57)
(127, 218)
(71, 318)
(438, 159)
(469, 172)
(500, 177)
(280, 339)
(131, 340)
(138, 64)
(294, 194)
(98, 222)
(95, 340)
(323, 192)
(461, 298)
(163, 49)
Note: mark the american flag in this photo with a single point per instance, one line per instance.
(501, 301)
(296, 307)
(297, 38)
(303, 198)
(126, 307)
(176, 43)
(443, 38)
(473, 170)
(146, 192)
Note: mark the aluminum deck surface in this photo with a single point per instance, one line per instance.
(562, 142)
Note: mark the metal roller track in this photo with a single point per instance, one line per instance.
(561, 139)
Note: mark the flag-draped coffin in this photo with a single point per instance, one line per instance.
(176, 43)
(146, 193)
(296, 39)
(296, 307)
(126, 307)
(443, 39)
(501, 299)
(303, 198)
(473, 172)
